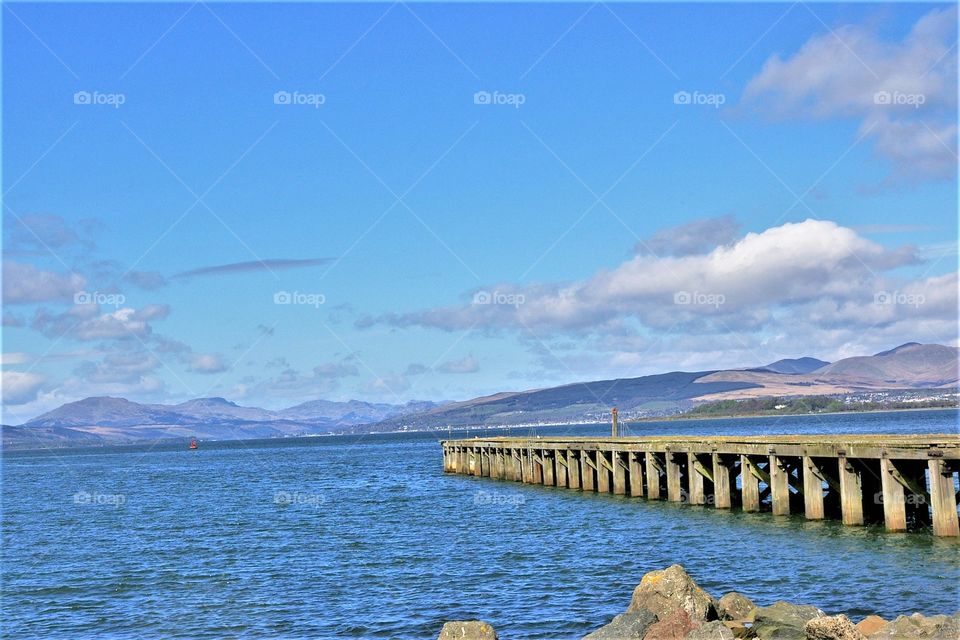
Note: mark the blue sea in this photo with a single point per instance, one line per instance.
(366, 537)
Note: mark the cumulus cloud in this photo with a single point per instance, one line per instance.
(86, 322)
(25, 283)
(149, 280)
(207, 363)
(903, 92)
(20, 387)
(42, 233)
(742, 283)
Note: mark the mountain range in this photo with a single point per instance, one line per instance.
(106, 420)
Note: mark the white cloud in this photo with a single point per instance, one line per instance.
(207, 363)
(20, 387)
(904, 93)
(467, 364)
(25, 283)
(86, 322)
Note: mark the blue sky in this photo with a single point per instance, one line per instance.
(182, 192)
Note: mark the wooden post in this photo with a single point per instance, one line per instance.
(851, 496)
(694, 481)
(779, 487)
(812, 489)
(587, 472)
(526, 462)
(573, 470)
(674, 490)
(548, 468)
(619, 474)
(536, 463)
(603, 474)
(894, 500)
(943, 499)
(721, 483)
(560, 461)
(653, 476)
(749, 485)
(636, 474)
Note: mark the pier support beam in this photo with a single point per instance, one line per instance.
(749, 485)
(636, 473)
(813, 479)
(603, 473)
(894, 498)
(548, 468)
(695, 481)
(943, 499)
(779, 486)
(674, 489)
(560, 461)
(722, 496)
(851, 493)
(653, 476)
(573, 470)
(588, 472)
(619, 473)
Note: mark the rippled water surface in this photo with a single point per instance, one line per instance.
(366, 537)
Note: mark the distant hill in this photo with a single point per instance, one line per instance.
(106, 420)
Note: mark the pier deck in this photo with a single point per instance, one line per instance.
(906, 482)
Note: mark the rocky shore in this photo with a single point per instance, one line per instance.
(669, 605)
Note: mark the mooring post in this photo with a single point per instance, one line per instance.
(619, 473)
(615, 427)
(749, 485)
(722, 498)
(573, 470)
(943, 499)
(636, 473)
(674, 489)
(851, 494)
(812, 489)
(779, 486)
(894, 499)
(653, 476)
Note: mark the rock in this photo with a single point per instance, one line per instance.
(625, 626)
(467, 630)
(665, 591)
(832, 628)
(734, 606)
(737, 627)
(714, 630)
(674, 626)
(783, 621)
(871, 624)
(919, 626)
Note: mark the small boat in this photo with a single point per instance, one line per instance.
(193, 443)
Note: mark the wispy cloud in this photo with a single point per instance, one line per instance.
(274, 264)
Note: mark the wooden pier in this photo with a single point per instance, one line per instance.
(905, 482)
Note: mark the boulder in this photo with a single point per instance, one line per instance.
(625, 626)
(783, 621)
(871, 624)
(665, 591)
(832, 628)
(467, 630)
(739, 628)
(734, 606)
(674, 626)
(919, 626)
(714, 630)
